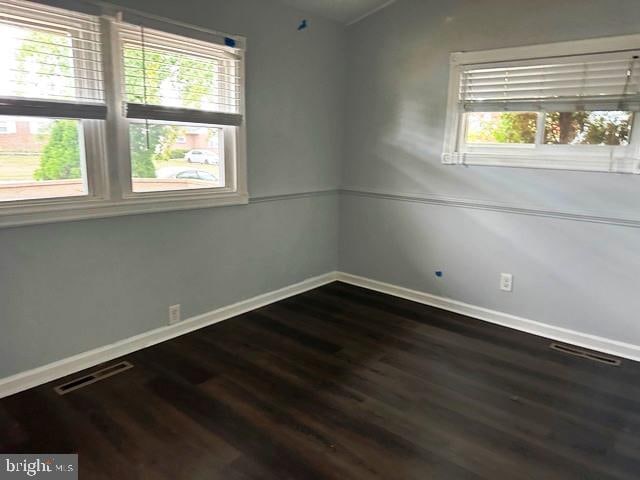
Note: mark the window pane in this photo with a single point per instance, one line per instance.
(49, 63)
(588, 128)
(159, 76)
(501, 127)
(41, 158)
(161, 161)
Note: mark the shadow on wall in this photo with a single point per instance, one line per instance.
(406, 243)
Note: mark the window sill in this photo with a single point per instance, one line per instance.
(565, 162)
(62, 210)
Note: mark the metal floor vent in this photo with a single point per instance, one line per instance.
(93, 377)
(578, 352)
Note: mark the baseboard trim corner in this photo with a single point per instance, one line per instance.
(67, 366)
(592, 342)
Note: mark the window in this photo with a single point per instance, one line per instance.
(575, 110)
(51, 102)
(50, 163)
(106, 113)
(176, 87)
(156, 166)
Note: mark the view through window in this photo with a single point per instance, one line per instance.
(41, 158)
(44, 157)
(573, 110)
(166, 155)
(611, 128)
(175, 157)
(165, 100)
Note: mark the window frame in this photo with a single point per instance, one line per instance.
(593, 158)
(107, 155)
(39, 210)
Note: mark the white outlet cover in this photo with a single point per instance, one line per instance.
(174, 314)
(506, 282)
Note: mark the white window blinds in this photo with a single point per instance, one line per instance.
(608, 81)
(52, 62)
(174, 78)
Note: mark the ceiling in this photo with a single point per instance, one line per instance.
(344, 11)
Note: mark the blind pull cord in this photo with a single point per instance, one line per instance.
(627, 81)
(144, 84)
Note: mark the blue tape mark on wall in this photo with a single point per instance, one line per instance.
(303, 25)
(229, 42)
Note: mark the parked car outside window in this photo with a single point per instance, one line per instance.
(202, 156)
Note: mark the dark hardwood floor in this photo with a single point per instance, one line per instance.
(343, 383)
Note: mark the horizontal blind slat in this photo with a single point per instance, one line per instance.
(180, 47)
(137, 93)
(76, 30)
(36, 10)
(27, 83)
(72, 47)
(96, 62)
(543, 64)
(605, 79)
(551, 107)
(570, 80)
(56, 75)
(548, 91)
(204, 37)
(548, 72)
(52, 109)
(163, 69)
(184, 115)
(167, 68)
(54, 60)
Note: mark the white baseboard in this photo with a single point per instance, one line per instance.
(592, 342)
(52, 371)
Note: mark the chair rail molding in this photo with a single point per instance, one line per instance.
(461, 202)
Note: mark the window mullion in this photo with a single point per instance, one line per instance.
(91, 138)
(461, 132)
(540, 129)
(116, 124)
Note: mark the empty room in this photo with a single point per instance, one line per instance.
(320, 239)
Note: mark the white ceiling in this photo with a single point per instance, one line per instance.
(345, 11)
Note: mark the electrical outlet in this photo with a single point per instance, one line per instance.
(506, 282)
(174, 314)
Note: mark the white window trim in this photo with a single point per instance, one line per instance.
(594, 158)
(108, 158)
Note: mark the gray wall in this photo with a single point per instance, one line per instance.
(66, 288)
(571, 274)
